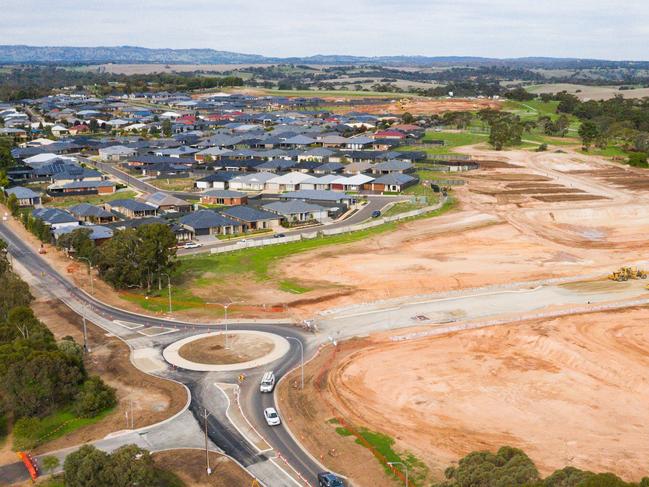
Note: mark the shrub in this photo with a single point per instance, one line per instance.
(95, 396)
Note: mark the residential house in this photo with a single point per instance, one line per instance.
(24, 196)
(392, 166)
(286, 182)
(208, 222)
(294, 211)
(165, 202)
(252, 182)
(116, 153)
(223, 197)
(97, 233)
(351, 183)
(131, 208)
(252, 218)
(55, 217)
(88, 213)
(218, 180)
(81, 188)
(393, 183)
(320, 197)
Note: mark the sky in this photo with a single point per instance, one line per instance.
(603, 29)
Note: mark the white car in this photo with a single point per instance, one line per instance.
(191, 245)
(271, 416)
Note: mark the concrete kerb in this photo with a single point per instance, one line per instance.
(286, 427)
(171, 355)
(227, 415)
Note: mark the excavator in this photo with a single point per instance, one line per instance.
(626, 273)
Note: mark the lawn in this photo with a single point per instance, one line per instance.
(51, 427)
(610, 151)
(92, 199)
(205, 270)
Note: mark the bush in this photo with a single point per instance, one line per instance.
(638, 159)
(26, 433)
(95, 396)
(542, 148)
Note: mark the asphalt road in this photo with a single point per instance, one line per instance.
(223, 435)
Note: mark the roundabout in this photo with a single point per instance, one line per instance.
(214, 352)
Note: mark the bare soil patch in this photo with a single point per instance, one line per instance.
(569, 197)
(189, 466)
(212, 350)
(423, 106)
(569, 391)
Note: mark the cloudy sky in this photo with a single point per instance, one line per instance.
(610, 29)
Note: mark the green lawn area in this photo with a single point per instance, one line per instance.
(384, 445)
(205, 270)
(51, 427)
(66, 201)
(610, 151)
(544, 139)
(402, 207)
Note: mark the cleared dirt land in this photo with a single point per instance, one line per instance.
(189, 466)
(586, 92)
(212, 350)
(424, 106)
(542, 215)
(569, 391)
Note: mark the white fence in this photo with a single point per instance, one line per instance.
(324, 231)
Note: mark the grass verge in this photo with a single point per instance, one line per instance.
(38, 431)
(384, 445)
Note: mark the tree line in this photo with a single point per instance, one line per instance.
(510, 467)
(38, 374)
(133, 258)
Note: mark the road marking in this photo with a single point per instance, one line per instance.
(128, 324)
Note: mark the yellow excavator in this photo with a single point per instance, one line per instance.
(626, 273)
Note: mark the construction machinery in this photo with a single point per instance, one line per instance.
(626, 273)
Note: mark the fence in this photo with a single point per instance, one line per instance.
(324, 231)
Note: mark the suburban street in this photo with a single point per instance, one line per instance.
(147, 336)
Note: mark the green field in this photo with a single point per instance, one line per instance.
(451, 141)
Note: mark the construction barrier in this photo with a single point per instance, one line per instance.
(30, 464)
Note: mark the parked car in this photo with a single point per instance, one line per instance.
(192, 245)
(327, 479)
(279, 235)
(267, 382)
(271, 416)
(376, 214)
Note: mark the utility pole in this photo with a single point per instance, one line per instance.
(169, 289)
(85, 334)
(207, 451)
(92, 282)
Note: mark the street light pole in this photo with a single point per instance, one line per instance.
(169, 289)
(405, 467)
(301, 356)
(92, 283)
(207, 451)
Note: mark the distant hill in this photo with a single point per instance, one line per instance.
(20, 54)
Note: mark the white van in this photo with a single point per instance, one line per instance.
(267, 382)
